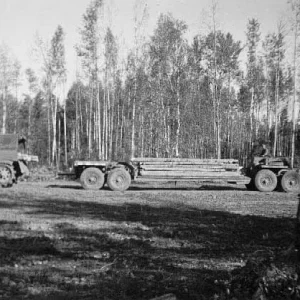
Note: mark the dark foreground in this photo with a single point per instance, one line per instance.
(61, 242)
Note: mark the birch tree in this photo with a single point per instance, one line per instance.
(168, 52)
(88, 51)
(221, 56)
(111, 60)
(140, 20)
(274, 47)
(253, 74)
(295, 6)
(9, 73)
(33, 89)
(57, 73)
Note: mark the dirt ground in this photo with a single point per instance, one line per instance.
(59, 241)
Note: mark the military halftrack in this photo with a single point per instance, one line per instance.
(13, 163)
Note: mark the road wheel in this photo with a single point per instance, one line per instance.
(290, 182)
(5, 176)
(118, 180)
(92, 179)
(265, 181)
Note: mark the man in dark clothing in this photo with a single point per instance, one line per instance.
(22, 144)
(265, 151)
(259, 150)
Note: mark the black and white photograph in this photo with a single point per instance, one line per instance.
(149, 150)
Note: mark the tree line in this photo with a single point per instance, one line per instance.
(169, 98)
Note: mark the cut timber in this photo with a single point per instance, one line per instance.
(170, 169)
(189, 167)
(184, 160)
(187, 173)
(213, 163)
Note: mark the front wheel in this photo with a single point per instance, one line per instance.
(5, 176)
(92, 179)
(265, 181)
(290, 181)
(118, 180)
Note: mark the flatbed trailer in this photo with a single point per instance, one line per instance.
(119, 175)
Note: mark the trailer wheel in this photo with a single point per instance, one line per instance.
(265, 181)
(118, 180)
(92, 179)
(290, 181)
(5, 176)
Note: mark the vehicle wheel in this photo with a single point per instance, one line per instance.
(290, 181)
(5, 176)
(251, 186)
(265, 181)
(118, 180)
(92, 179)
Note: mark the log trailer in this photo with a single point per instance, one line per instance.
(264, 174)
(13, 163)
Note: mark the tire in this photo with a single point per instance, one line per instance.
(5, 176)
(92, 179)
(290, 181)
(265, 181)
(118, 180)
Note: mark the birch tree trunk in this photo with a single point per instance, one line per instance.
(178, 122)
(133, 122)
(295, 88)
(65, 134)
(4, 115)
(49, 128)
(276, 112)
(54, 120)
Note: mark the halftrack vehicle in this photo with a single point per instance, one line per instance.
(13, 163)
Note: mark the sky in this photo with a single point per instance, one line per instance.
(22, 20)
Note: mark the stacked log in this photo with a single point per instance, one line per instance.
(183, 168)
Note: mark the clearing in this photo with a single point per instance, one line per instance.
(59, 241)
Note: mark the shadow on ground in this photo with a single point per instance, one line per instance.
(130, 251)
(169, 186)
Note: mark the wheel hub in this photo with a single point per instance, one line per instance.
(5, 175)
(92, 179)
(292, 182)
(119, 179)
(266, 181)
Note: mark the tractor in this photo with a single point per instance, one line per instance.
(13, 163)
(272, 173)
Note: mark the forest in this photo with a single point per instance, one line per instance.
(170, 97)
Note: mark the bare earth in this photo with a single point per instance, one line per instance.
(59, 241)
